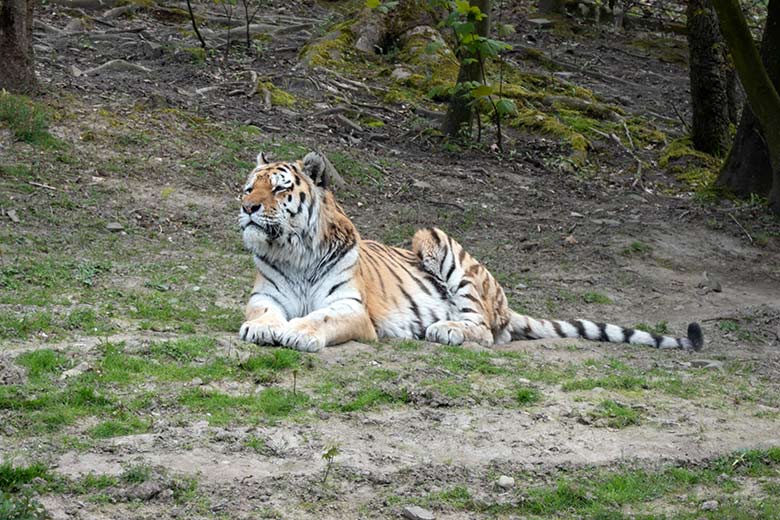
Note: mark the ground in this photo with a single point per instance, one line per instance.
(125, 392)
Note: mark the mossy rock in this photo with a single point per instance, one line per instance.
(542, 123)
(331, 49)
(695, 169)
(279, 97)
(428, 59)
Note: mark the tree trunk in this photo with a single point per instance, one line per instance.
(762, 96)
(709, 80)
(16, 52)
(551, 6)
(460, 114)
(747, 169)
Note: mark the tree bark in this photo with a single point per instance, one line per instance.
(762, 96)
(16, 52)
(460, 113)
(551, 6)
(747, 169)
(709, 80)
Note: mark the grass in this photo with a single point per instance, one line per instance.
(27, 120)
(615, 415)
(527, 396)
(119, 427)
(618, 493)
(637, 248)
(597, 298)
(223, 409)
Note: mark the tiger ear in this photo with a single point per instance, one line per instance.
(262, 159)
(315, 166)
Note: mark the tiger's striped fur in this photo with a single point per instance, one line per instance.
(318, 283)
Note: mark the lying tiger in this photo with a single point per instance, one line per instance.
(320, 284)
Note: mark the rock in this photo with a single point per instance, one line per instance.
(400, 74)
(151, 50)
(75, 25)
(75, 71)
(709, 505)
(196, 382)
(76, 371)
(421, 185)
(505, 482)
(114, 227)
(144, 491)
(605, 222)
(540, 23)
(417, 513)
(10, 372)
(13, 216)
(709, 283)
(711, 364)
(570, 240)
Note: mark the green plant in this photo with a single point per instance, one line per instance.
(26, 119)
(329, 456)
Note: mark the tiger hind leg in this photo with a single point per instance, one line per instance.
(477, 308)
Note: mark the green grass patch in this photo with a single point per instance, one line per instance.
(616, 415)
(660, 328)
(118, 427)
(637, 248)
(13, 478)
(525, 396)
(42, 364)
(27, 120)
(594, 297)
(222, 409)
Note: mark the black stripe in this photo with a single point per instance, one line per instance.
(438, 285)
(463, 283)
(467, 309)
(333, 289)
(580, 328)
(627, 333)
(452, 268)
(415, 309)
(354, 298)
(658, 339)
(602, 331)
(412, 275)
(273, 267)
(558, 329)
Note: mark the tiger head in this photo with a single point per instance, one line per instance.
(279, 201)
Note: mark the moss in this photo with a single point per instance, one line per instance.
(669, 50)
(198, 53)
(278, 96)
(331, 49)
(696, 170)
(552, 126)
(432, 63)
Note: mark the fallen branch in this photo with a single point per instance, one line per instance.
(741, 227)
(117, 65)
(39, 185)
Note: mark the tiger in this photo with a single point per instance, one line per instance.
(318, 283)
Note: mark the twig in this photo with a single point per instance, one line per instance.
(681, 118)
(39, 185)
(628, 134)
(741, 227)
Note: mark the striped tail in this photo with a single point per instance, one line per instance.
(525, 327)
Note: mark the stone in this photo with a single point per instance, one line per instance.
(417, 513)
(75, 25)
(711, 364)
(505, 482)
(114, 227)
(709, 505)
(421, 185)
(400, 74)
(144, 491)
(540, 23)
(605, 222)
(151, 50)
(13, 216)
(709, 283)
(76, 371)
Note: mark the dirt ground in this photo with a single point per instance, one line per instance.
(121, 259)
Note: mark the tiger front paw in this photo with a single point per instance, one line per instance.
(301, 335)
(260, 333)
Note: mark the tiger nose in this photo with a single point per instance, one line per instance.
(251, 208)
